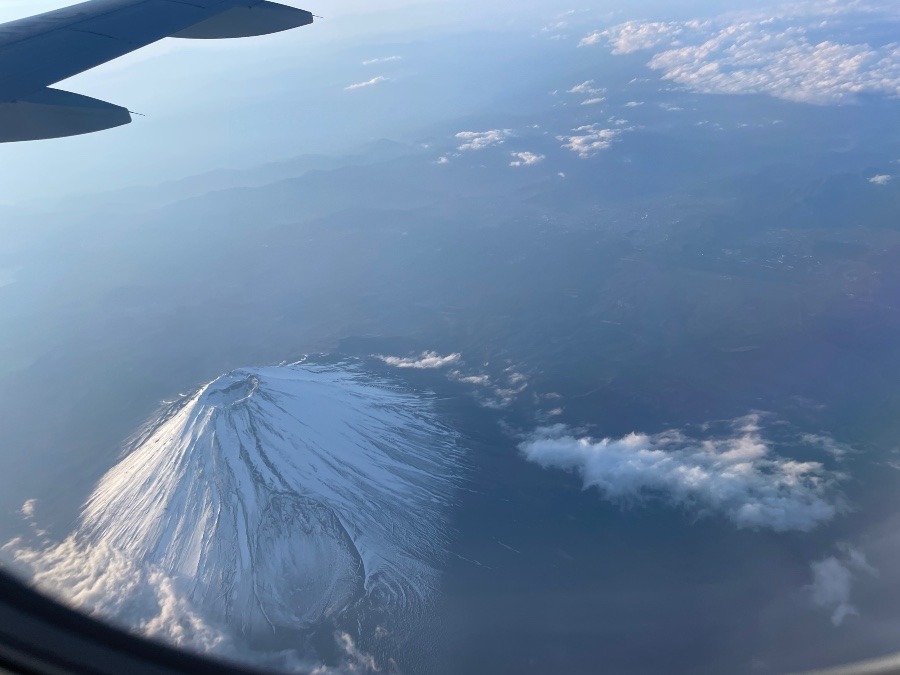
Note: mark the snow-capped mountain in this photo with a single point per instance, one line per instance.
(270, 499)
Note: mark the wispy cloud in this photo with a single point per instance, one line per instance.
(497, 392)
(28, 508)
(833, 579)
(368, 83)
(355, 660)
(591, 90)
(383, 59)
(827, 444)
(586, 87)
(479, 140)
(736, 476)
(525, 159)
(880, 179)
(424, 360)
(559, 23)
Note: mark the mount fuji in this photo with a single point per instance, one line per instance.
(269, 501)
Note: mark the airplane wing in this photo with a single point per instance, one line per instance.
(41, 50)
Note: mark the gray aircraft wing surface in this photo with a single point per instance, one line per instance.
(39, 51)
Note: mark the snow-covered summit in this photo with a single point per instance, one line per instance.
(270, 499)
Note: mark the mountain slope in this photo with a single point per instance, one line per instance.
(268, 501)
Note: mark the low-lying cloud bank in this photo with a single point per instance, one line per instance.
(810, 52)
(737, 477)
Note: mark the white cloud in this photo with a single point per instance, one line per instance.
(833, 579)
(424, 360)
(499, 395)
(384, 59)
(495, 395)
(516, 377)
(28, 508)
(368, 83)
(478, 380)
(880, 179)
(633, 36)
(737, 476)
(590, 139)
(442, 160)
(778, 53)
(525, 159)
(106, 583)
(555, 26)
(479, 140)
(591, 39)
(634, 104)
(586, 87)
(355, 660)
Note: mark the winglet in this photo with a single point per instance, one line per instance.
(54, 113)
(259, 19)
